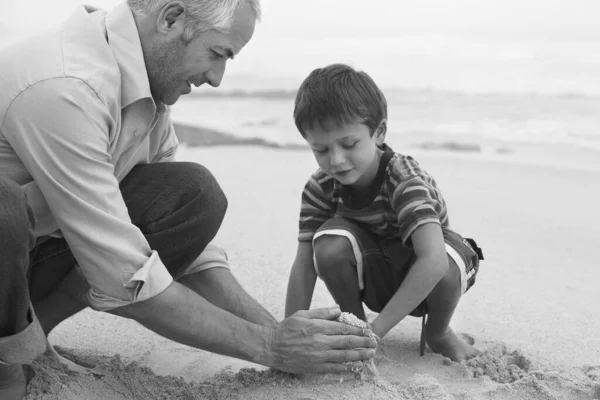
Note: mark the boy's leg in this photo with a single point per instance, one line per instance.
(343, 252)
(442, 302)
(337, 268)
(21, 337)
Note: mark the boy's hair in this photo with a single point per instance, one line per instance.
(340, 94)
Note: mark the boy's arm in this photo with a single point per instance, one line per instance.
(302, 280)
(429, 268)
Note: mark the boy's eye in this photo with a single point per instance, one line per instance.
(320, 151)
(349, 145)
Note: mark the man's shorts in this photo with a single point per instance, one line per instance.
(382, 264)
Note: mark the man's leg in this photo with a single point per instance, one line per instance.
(180, 207)
(21, 337)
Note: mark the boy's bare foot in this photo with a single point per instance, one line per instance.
(13, 385)
(451, 346)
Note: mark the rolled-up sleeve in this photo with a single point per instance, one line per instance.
(61, 130)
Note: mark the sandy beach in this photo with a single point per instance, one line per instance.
(533, 311)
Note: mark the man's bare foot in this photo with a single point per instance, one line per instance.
(451, 346)
(13, 385)
(51, 352)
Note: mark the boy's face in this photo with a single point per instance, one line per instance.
(347, 152)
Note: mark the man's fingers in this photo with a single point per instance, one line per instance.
(351, 342)
(342, 356)
(339, 328)
(330, 313)
(333, 367)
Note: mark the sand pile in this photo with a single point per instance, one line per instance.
(498, 373)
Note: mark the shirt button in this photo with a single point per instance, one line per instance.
(137, 132)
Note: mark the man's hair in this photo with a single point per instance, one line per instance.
(338, 94)
(205, 15)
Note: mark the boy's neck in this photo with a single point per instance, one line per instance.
(364, 188)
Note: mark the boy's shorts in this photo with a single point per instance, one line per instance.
(382, 264)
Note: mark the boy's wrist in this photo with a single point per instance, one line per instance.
(378, 328)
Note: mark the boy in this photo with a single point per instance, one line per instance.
(373, 224)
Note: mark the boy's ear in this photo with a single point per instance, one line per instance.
(380, 132)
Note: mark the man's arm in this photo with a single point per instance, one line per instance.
(309, 341)
(219, 286)
(429, 268)
(303, 277)
(61, 130)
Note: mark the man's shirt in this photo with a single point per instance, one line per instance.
(76, 115)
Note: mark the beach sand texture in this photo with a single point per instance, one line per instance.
(533, 311)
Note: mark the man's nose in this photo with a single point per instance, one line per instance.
(215, 75)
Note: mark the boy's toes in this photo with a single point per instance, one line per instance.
(468, 339)
(452, 346)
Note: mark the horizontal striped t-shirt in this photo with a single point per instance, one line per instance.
(403, 197)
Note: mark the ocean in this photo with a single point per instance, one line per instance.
(416, 117)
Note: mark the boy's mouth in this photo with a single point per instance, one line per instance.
(342, 173)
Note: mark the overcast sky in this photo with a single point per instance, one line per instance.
(520, 40)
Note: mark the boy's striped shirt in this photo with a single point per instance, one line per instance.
(407, 198)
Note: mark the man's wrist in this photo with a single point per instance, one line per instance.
(264, 354)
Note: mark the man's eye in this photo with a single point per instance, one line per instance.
(216, 55)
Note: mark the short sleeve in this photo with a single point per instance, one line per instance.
(415, 204)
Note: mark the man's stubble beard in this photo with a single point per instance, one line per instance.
(162, 65)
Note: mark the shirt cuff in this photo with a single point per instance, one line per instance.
(150, 280)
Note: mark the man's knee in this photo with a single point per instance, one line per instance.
(332, 253)
(17, 220)
(203, 188)
(163, 195)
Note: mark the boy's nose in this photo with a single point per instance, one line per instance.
(336, 158)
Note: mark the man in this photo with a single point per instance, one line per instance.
(93, 210)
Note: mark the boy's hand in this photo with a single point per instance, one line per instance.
(380, 345)
(311, 341)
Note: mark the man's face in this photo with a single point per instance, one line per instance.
(174, 66)
(347, 152)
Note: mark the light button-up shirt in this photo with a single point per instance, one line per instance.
(76, 115)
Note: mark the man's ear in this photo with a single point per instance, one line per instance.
(380, 132)
(171, 18)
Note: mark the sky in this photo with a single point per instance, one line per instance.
(544, 46)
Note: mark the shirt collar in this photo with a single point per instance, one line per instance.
(124, 39)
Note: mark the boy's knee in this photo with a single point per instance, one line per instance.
(332, 252)
(17, 220)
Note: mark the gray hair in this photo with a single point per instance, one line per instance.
(205, 15)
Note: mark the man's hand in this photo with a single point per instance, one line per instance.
(311, 341)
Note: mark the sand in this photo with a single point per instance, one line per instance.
(533, 311)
